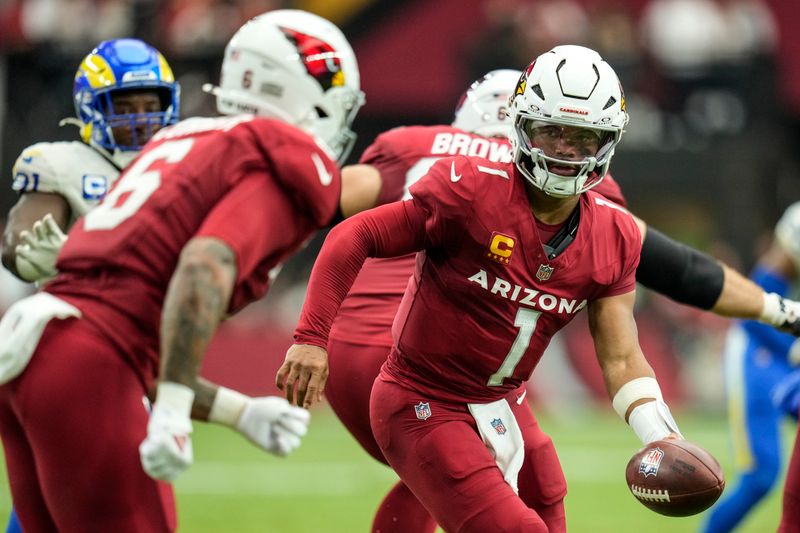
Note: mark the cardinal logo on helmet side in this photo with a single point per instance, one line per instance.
(320, 59)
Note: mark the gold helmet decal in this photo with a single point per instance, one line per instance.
(97, 71)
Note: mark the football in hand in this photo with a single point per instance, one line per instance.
(675, 477)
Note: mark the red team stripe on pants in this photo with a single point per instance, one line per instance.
(71, 426)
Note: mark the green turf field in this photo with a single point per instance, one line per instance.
(329, 485)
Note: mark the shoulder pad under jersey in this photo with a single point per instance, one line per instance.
(71, 169)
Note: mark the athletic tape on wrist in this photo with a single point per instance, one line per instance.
(652, 421)
(227, 407)
(772, 311)
(175, 396)
(634, 390)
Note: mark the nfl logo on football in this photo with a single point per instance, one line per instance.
(498, 426)
(650, 462)
(423, 410)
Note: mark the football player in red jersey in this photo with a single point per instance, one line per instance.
(190, 233)
(511, 253)
(360, 337)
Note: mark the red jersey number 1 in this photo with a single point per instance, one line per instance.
(526, 322)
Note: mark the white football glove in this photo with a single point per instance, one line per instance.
(167, 450)
(38, 249)
(274, 425)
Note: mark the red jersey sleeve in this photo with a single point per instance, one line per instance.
(611, 190)
(392, 166)
(304, 170)
(387, 231)
(624, 242)
(260, 238)
(446, 192)
(627, 282)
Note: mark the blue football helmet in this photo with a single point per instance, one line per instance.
(123, 65)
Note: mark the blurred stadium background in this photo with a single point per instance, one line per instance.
(711, 157)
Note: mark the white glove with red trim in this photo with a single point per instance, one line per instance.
(167, 450)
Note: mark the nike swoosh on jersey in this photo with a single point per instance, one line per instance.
(494, 171)
(325, 177)
(522, 397)
(453, 176)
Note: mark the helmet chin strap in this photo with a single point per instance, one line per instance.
(118, 158)
(345, 140)
(70, 121)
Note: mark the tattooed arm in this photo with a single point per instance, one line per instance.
(196, 302)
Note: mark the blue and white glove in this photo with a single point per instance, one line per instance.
(269, 422)
(167, 450)
(38, 250)
(786, 394)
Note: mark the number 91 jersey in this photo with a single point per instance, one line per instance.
(484, 300)
(72, 170)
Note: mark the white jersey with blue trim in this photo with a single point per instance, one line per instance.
(787, 232)
(73, 170)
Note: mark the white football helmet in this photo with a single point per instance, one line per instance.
(297, 67)
(569, 86)
(483, 109)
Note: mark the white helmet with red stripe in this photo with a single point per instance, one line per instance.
(570, 95)
(295, 66)
(483, 109)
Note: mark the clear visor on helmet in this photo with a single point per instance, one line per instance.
(559, 138)
(565, 144)
(563, 159)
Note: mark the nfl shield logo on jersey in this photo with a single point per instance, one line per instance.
(423, 410)
(650, 462)
(544, 272)
(498, 426)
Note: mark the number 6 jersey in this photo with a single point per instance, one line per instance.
(259, 185)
